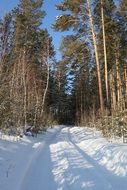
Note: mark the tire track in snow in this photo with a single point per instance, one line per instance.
(64, 165)
(85, 174)
(71, 169)
(97, 172)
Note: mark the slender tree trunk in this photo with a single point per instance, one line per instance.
(24, 86)
(97, 58)
(81, 106)
(59, 92)
(119, 88)
(45, 91)
(47, 80)
(125, 74)
(105, 54)
(37, 103)
(77, 111)
(12, 81)
(112, 92)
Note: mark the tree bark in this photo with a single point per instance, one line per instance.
(119, 88)
(37, 103)
(112, 92)
(125, 74)
(47, 80)
(97, 58)
(105, 54)
(24, 85)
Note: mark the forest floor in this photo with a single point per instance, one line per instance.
(63, 158)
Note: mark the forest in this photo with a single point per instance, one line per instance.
(87, 87)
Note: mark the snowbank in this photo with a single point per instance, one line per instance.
(17, 155)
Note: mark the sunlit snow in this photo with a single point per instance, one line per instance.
(63, 158)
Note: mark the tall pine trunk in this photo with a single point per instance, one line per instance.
(24, 86)
(105, 54)
(112, 92)
(119, 86)
(96, 57)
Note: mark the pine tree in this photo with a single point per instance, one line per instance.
(104, 11)
(6, 36)
(32, 49)
(75, 54)
(81, 20)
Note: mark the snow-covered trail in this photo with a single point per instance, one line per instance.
(65, 163)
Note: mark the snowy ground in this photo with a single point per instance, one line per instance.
(65, 158)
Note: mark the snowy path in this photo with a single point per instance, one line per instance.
(77, 160)
(63, 158)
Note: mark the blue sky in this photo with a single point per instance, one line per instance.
(49, 7)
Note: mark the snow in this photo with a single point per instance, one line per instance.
(63, 158)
